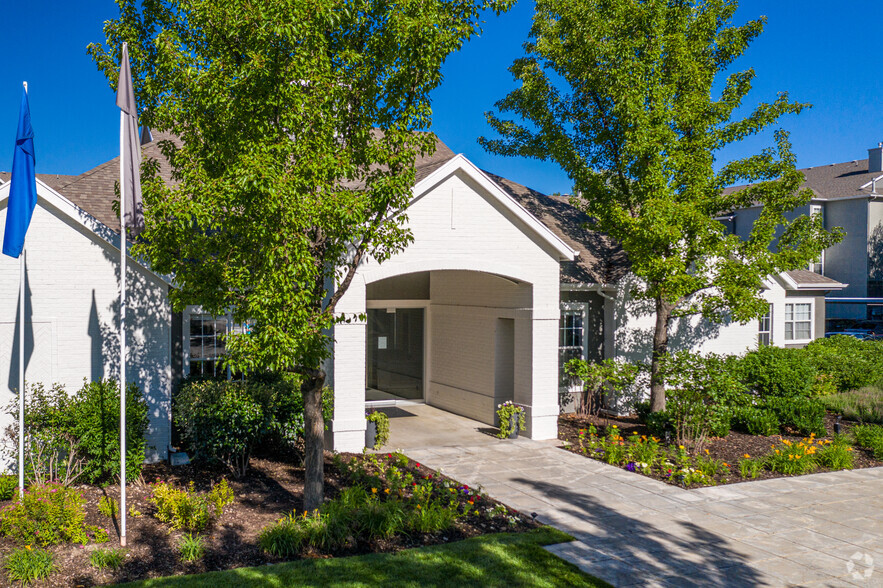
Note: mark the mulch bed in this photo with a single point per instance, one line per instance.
(272, 488)
(729, 449)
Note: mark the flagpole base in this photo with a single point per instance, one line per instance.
(122, 541)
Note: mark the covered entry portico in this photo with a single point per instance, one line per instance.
(463, 319)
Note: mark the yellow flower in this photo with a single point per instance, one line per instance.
(373, 490)
(706, 452)
(28, 547)
(747, 456)
(680, 446)
(387, 490)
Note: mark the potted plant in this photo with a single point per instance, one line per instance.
(377, 431)
(511, 417)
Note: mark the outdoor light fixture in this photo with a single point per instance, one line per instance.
(667, 437)
(837, 425)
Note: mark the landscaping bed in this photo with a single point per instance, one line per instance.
(395, 492)
(720, 461)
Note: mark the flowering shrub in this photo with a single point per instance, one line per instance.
(505, 412)
(8, 487)
(48, 514)
(794, 458)
(187, 509)
(836, 454)
(750, 468)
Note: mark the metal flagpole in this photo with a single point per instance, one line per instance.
(21, 374)
(122, 331)
(21, 367)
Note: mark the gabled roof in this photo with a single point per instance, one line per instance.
(807, 280)
(835, 181)
(79, 216)
(601, 260)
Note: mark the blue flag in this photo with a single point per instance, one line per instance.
(23, 191)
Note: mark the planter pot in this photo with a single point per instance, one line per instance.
(371, 435)
(513, 426)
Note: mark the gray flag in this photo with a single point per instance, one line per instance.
(131, 147)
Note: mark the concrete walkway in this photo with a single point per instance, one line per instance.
(819, 530)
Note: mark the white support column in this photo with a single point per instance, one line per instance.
(348, 424)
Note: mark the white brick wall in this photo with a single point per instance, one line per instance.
(462, 234)
(72, 278)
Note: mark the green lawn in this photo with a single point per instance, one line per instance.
(506, 559)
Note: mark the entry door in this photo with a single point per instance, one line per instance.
(394, 352)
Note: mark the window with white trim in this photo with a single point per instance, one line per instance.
(205, 343)
(818, 265)
(765, 328)
(798, 321)
(571, 338)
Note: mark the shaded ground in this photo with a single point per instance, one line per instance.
(503, 560)
(271, 489)
(729, 449)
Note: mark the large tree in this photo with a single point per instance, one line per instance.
(633, 99)
(299, 122)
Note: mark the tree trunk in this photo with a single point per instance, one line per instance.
(314, 440)
(660, 349)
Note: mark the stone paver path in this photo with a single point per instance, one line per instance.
(819, 530)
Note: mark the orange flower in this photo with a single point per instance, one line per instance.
(747, 456)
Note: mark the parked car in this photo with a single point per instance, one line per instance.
(862, 335)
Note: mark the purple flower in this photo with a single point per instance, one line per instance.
(630, 466)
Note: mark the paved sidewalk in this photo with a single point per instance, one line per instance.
(818, 530)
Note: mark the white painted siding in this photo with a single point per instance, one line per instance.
(73, 293)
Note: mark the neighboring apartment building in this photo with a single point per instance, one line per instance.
(848, 195)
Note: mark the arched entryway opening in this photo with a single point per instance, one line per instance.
(448, 338)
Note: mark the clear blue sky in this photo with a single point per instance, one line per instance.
(824, 53)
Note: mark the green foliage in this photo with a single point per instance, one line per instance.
(109, 507)
(597, 377)
(776, 371)
(794, 458)
(8, 487)
(755, 421)
(850, 362)
(635, 101)
(47, 515)
(52, 449)
(191, 547)
(95, 413)
(804, 415)
(188, 509)
(26, 565)
(107, 558)
(870, 437)
(864, 405)
(381, 420)
(750, 468)
(836, 455)
(703, 393)
(225, 420)
(505, 413)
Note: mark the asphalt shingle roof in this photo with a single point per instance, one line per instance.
(806, 277)
(838, 180)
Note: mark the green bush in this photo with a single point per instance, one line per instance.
(851, 362)
(188, 509)
(775, 371)
(26, 565)
(96, 424)
(804, 415)
(755, 421)
(8, 487)
(48, 514)
(107, 558)
(870, 437)
(225, 420)
(52, 449)
(864, 405)
(701, 397)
